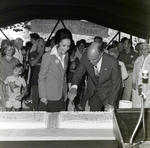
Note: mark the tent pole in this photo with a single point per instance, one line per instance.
(53, 30)
(4, 34)
(63, 24)
(112, 39)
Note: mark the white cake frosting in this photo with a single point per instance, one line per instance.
(86, 120)
(23, 120)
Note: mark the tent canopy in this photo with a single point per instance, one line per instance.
(130, 16)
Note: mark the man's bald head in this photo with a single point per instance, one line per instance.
(94, 51)
(95, 48)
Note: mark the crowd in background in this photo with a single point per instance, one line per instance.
(38, 76)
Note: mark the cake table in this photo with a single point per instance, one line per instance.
(54, 137)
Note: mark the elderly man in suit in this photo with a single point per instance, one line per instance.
(104, 82)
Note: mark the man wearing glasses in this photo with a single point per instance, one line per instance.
(104, 82)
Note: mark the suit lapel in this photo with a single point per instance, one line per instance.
(103, 70)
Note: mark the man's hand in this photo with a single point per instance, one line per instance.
(72, 94)
(109, 108)
(44, 100)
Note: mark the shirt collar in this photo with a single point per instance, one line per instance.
(55, 52)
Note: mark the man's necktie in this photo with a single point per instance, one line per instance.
(96, 71)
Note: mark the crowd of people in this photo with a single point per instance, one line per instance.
(61, 75)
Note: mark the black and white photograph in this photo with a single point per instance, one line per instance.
(74, 74)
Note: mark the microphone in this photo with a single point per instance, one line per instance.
(145, 76)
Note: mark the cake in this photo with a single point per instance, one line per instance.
(85, 120)
(23, 120)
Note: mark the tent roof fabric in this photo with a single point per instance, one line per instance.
(130, 16)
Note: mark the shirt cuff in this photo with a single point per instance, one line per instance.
(74, 86)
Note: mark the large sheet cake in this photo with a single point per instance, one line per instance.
(85, 120)
(23, 120)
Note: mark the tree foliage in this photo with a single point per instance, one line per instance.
(19, 26)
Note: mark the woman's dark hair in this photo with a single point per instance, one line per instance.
(72, 48)
(62, 34)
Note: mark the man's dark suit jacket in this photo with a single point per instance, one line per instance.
(109, 84)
